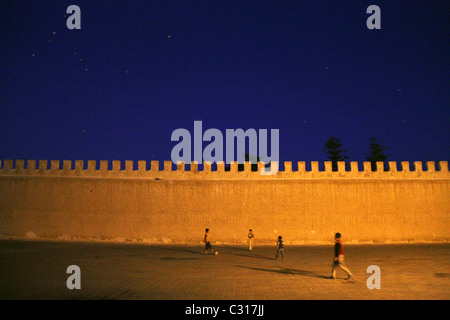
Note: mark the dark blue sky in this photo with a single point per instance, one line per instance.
(137, 70)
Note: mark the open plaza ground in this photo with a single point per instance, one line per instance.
(37, 270)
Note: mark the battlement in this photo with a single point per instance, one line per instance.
(234, 171)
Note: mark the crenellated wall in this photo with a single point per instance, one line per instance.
(139, 169)
(131, 200)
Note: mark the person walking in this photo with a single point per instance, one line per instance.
(339, 258)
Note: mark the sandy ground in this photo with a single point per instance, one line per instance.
(37, 270)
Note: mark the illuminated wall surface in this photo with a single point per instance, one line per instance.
(134, 201)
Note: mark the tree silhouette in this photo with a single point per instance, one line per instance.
(335, 152)
(377, 153)
(252, 159)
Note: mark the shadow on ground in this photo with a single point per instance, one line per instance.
(181, 249)
(291, 271)
(177, 259)
(256, 256)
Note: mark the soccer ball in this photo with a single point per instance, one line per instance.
(216, 253)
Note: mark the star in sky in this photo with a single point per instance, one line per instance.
(271, 65)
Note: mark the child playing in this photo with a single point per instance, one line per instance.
(280, 249)
(250, 239)
(207, 242)
(339, 258)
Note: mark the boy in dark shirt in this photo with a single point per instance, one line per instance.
(207, 242)
(339, 258)
(280, 249)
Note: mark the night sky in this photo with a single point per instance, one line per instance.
(138, 70)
